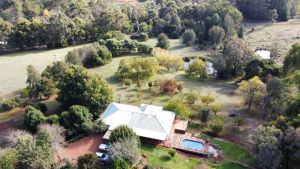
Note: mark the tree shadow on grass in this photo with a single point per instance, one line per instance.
(165, 158)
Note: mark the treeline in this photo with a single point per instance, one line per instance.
(280, 10)
(31, 24)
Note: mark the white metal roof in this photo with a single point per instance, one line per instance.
(147, 120)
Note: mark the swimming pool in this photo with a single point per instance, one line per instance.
(192, 144)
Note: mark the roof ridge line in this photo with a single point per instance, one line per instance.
(160, 124)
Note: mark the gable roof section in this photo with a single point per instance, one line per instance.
(147, 120)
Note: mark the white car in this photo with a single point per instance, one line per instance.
(103, 147)
(103, 157)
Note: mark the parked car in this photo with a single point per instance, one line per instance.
(103, 157)
(103, 147)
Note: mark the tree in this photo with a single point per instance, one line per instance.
(8, 158)
(137, 69)
(98, 55)
(6, 29)
(122, 133)
(216, 107)
(189, 37)
(61, 23)
(178, 107)
(57, 134)
(268, 152)
(276, 98)
(229, 26)
(163, 41)
(167, 60)
(251, 90)
(263, 69)
(292, 61)
(78, 86)
(127, 149)
(33, 117)
(235, 56)
(34, 152)
(88, 161)
(79, 120)
(47, 87)
(216, 34)
(216, 126)
(197, 70)
(56, 71)
(33, 81)
(205, 114)
(27, 34)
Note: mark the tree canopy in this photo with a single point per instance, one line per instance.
(78, 86)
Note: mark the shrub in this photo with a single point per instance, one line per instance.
(120, 163)
(53, 119)
(178, 107)
(192, 97)
(172, 152)
(39, 105)
(10, 104)
(127, 82)
(143, 48)
(179, 87)
(168, 86)
(189, 37)
(114, 45)
(239, 121)
(122, 133)
(143, 37)
(163, 41)
(73, 57)
(88, 161)
(33, 117)
(24, 93)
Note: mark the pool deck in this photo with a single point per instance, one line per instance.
(178, 139)
(174, 140)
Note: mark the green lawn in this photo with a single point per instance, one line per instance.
(159, 157)
(229, 165)
(233, 152)
(13, 66)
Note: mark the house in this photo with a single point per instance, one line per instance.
(151, 123)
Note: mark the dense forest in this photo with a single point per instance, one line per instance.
(30, 24)
(280, 10)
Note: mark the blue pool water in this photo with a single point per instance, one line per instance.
(192, 144)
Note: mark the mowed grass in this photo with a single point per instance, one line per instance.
(229, 165)
(178, 48)
(13, 66)
(233, 152)
(159, 157)
(281, 35)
